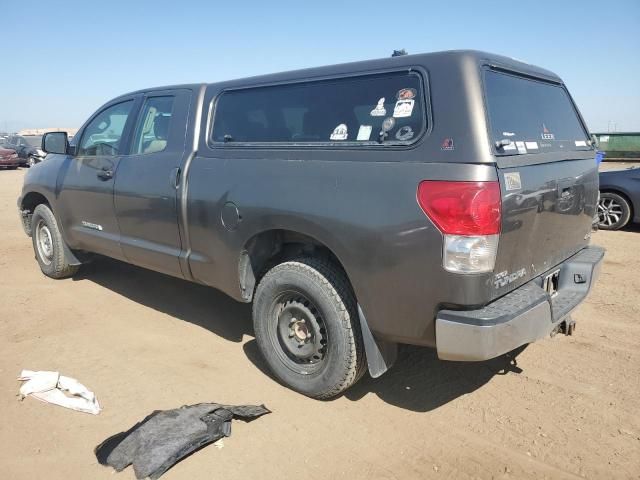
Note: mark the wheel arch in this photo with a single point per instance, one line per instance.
(28, 204)
(269, 247)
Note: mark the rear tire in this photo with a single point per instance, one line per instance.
(307, 328)
(48, 244)
(614, 211)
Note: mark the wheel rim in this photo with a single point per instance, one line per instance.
(44, 242)
(609, 211)
(300, 332)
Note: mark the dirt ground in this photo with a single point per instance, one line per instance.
(144, 341)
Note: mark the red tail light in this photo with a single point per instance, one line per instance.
(462, 208)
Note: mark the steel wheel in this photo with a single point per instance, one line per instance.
(613, 211)
(306, 326)
(48, 245)
(44, 242)
(300, 331)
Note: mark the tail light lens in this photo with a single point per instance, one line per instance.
(468, 214)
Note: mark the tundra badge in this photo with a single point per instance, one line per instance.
(505, 278)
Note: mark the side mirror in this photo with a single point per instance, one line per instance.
(55, 142)
(595, 141)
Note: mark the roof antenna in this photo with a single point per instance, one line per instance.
(399, 53)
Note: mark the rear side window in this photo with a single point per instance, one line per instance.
(351, 111)
(152, 130)
(536, 116)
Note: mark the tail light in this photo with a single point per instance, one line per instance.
(468, 214)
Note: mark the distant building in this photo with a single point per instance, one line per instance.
(42, 131)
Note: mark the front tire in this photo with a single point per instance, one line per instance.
(614, 212)
(306, 326)
(48, 244)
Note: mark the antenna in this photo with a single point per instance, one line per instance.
(399, 53)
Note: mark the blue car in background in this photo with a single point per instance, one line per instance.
(619, 201)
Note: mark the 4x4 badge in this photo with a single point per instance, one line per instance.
(447, 144)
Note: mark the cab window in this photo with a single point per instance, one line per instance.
(154, 122)
(103, 135)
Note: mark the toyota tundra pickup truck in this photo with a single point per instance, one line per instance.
(442, 200)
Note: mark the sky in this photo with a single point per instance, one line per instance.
(62, 60)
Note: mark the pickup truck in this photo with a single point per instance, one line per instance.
(442, 200)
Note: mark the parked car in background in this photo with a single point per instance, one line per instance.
(8, 158)
(27, 147)
(619, 198)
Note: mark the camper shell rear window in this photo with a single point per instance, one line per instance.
(375, 109)
(528, 115)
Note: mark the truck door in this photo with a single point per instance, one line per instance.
(85, 181)
(146, 186)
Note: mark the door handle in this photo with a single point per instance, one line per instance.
(174, 178)
(105, 174)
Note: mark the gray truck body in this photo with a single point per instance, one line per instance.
(216, 213)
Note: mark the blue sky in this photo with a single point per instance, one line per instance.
(62, 60)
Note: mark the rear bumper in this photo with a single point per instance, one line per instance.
(522, 316)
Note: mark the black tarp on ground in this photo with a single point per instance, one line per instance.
(167, 436)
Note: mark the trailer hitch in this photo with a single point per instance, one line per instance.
(568, 326)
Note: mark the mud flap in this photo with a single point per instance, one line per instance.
(73, 260)
(381, 355)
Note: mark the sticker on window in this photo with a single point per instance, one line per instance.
(521, 147)
(339, 133)
(379, 111)
(546, 134)
(403, 108)
(406, 94)
(388, 123)
(404, 133)
(512, 181)
(364, 132)
(531, 145)
(508, 134)
(581, 143)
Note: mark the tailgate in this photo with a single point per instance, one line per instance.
(548, 175)
(545, 221)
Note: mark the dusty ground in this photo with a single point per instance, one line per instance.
(144, 341)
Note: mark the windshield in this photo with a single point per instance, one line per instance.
(531, 116)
